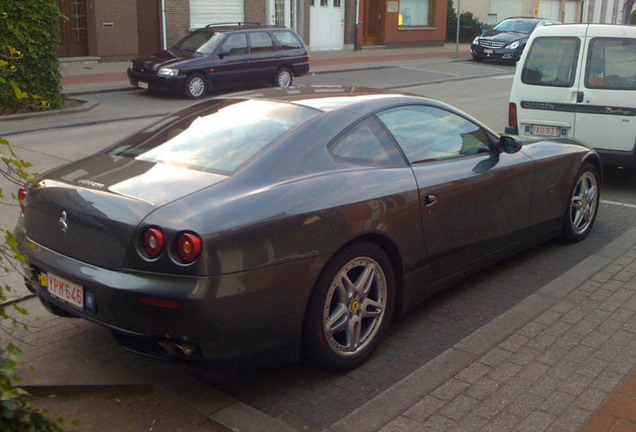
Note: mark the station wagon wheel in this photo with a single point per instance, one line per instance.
(195, 86)
(350, 308)
(283, 78)
(582, 205)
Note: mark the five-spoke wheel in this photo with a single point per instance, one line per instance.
(350, 308)
(583, 204)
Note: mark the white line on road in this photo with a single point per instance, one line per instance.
(619, 204)
(427, 70)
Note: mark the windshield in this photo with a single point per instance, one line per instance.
(218, 138)
(203, 42)
(516, 26)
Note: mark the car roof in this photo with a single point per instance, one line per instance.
(224, 27)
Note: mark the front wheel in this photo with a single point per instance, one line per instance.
(283, 78)
(583, 204)
(195, 86)
(350, 308)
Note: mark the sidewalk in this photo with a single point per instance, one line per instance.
(562, 360)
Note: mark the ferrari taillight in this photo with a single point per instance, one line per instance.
(189, 247)
(512, 115)
(153, 242)
(22, 194)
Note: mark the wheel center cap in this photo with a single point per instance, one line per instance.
(355, 306)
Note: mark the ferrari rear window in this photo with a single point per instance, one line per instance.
(219, 138)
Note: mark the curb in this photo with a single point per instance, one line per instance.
(85, 106)
(397, 399)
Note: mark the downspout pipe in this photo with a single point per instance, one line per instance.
(164, 32)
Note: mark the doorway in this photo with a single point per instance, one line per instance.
(326, 25)
(149, 26)
(371, 22)
(73, 31)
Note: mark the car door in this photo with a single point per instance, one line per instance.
(231, 68)
(608, 89)
(263, 58)
(474, 201)
(546, 97)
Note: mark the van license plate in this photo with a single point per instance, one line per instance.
(66, 290)
(552, 131)
(143, 85)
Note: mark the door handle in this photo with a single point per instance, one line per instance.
(430, 200)
(579, 97)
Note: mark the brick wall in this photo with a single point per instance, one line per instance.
(177, 20)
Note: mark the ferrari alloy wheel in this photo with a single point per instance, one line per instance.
(583, 204)
(195, 86)
(351, 307)
(283, 78)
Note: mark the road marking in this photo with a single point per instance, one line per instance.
(618, 204)
(427, 70)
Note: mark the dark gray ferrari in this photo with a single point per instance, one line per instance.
(298, 220)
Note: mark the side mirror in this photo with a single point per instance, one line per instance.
(509, 144)
(223, 54)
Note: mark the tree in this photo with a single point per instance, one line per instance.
(469, 25)
(29, 39)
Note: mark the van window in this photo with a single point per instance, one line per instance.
(611, 64)
(551, 62)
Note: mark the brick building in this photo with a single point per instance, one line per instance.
(128, 28)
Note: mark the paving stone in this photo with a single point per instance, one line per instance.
(563, 369)
(565, 306)
(593, 367)
(543, 341)
(568, 340)
(572, 418)
(580, 354)
(588, 286)
(483, 388)
(514, 388)
(545, 386)
(505, 371)
(470, 423)
(576, 383)
(531, 330)
(590, 399)
(458, 407)
(495, 357)
(557, 329)
(402, 424)
(602, 276)
(514, 342)
(537, 422)
(552, 355)
(424, 409)
(533, 371)
(602, 293)
(598, 316)
(548, 317)
(474, 372)
(450, 389)
(574, 316)
(503, 422)
(437, 423)
(524, 355)
(491, 406)
(525, 404)
(607, 381)
(622, 364)
(557, 402)
(584, 327)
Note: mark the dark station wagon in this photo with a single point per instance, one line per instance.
(223, 55)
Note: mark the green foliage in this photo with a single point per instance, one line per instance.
(469, 26)
(28, 59)
(632, 18)
(17, 414)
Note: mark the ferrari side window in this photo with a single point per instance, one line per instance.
(366, 143)
(427, 133)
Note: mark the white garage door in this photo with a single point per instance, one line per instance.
(204, 12)
(506, 8)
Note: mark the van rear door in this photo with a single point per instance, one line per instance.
(606, 114)
(546, 100)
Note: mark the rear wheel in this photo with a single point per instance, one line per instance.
(583, 204)
(195, 86)
(350, 308)
(283, 78)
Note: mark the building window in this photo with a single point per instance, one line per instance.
(414, 13)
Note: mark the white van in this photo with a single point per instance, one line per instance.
(579, 81)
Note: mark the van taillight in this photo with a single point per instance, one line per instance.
(512, 115)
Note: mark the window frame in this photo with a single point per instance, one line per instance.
(588, 64)
(572, 79)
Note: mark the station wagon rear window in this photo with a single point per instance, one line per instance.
(217, 139)
(551, 62)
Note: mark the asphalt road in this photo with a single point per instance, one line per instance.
(302, 396)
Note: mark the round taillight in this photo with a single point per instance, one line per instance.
(189, 247)
(22, 194)
(153, 242)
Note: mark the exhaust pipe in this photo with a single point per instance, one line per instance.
(180, 350)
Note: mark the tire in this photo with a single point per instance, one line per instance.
(478, 59)
(283, 78)
(582, 206)
(196, 86)
(359, 315)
